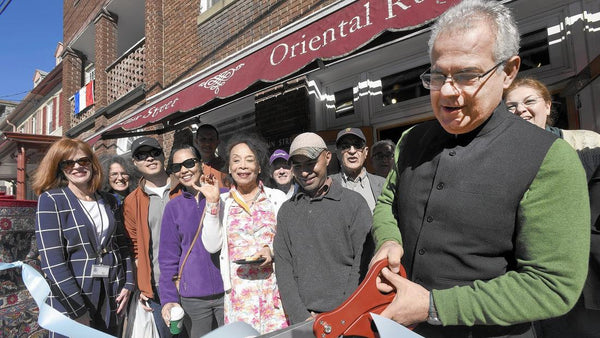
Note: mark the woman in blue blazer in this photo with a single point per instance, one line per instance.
(80, 236)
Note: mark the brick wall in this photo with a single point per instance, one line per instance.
(106, 53)
(190, 47)
(77, 14)
(154, 46)
(72, 75)
(176, 46)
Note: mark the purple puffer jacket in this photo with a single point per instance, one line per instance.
(201, 276)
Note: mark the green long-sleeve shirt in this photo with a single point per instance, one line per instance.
(495, 222)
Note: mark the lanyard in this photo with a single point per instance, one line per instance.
(89, 215)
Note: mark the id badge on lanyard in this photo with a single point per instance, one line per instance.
(100, 270)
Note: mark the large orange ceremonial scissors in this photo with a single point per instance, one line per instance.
(352, 318)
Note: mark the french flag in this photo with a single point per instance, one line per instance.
(84, 97)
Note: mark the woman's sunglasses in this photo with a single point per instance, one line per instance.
(189, 163)
(70, 164)
(143, 155)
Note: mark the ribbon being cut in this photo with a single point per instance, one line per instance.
(49, 318)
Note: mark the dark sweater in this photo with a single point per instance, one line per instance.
(496, 221)
(318, 248)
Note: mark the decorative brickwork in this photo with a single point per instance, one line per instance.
(126, 73)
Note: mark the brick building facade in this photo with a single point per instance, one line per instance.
(178, 41)
(142, 53)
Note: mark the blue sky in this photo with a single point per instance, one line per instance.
(30, 30)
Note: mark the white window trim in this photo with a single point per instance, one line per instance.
(49, 117)
(560, 49)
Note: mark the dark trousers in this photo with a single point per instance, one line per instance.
(203, 314)
(161, 326)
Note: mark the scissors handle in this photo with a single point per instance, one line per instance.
(352, 317)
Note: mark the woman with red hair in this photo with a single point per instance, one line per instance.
(80, 236)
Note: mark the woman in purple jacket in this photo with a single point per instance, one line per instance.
(201, 286)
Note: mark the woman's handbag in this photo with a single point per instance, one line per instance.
(177, 277)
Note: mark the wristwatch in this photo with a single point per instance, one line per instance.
(432, 318)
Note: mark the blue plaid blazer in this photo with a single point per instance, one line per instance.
(68, 247)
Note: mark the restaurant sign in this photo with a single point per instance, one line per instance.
(330, 37)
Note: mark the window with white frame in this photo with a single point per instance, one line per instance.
(341, 102)
(124, 144)
(90, 73)
(206, 4)
(534, 51)
(344, 102)
(548, 44)
(403, 86)
(49, 117)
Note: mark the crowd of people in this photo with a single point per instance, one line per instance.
(493, 218)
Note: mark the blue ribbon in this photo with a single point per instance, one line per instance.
(49, 318)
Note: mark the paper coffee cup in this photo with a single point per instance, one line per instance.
(176, 322)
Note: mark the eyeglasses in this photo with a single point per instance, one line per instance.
(70, 164)
(142, 155)
(115, 175)
(383, 156)
(530, 102)
(435, 81)
(345, 146)
(189, 163)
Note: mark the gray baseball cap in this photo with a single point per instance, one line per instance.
(310, 145)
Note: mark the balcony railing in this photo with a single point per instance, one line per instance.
(127, 72)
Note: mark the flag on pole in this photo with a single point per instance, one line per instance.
(84, 97)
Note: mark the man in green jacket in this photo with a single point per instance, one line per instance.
(488, 213)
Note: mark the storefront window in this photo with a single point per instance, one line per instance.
(403, 86)
(534, 49)
(344, 102)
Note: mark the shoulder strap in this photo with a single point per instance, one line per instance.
(191, 245)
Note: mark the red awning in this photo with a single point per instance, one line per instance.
(332, 36)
